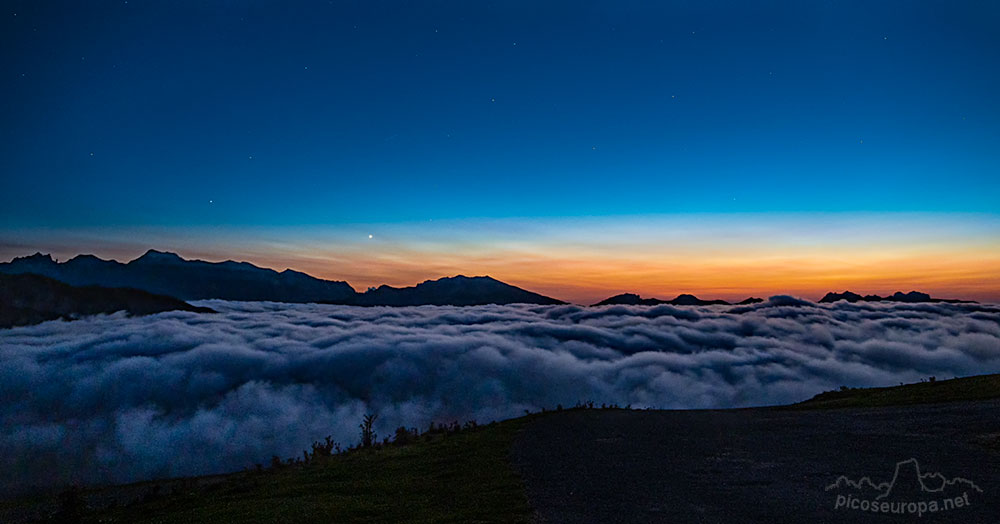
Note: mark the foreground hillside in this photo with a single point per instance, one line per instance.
(447, 475)
(970, 388)
(745, 465)
(29, 299)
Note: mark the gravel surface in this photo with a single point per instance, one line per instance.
(755, 465)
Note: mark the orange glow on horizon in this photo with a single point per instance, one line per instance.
(585, 260)
(587, 280)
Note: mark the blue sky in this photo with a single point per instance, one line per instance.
(326, 113)
(195, 126)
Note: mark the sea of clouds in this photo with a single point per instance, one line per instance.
(113, 398)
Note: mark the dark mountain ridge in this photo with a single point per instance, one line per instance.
(29, 299)
(452, 291)
(684, 299)
(168, 274)
(899, 296)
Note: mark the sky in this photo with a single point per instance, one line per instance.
(576, 149)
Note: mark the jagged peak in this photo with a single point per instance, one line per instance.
(37, 257)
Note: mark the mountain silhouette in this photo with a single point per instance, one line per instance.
(911, 297)
(452, 291)
(169, 274)
(29, 299)
(632, 299)
(166, 273)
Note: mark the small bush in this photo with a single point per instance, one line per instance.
(368, 435)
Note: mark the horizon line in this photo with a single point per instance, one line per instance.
(697, 294)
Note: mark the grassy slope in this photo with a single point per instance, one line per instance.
(970, 388)
(464, 477)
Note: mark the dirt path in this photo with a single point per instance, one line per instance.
(756, 465)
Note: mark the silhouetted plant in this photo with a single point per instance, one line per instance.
(405, 436)
(323, 449)
(368, 435)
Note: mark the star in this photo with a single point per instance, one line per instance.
(211, 201)
(493, 100)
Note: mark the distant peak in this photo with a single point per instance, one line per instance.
(461, 278)
(159, 256)
(86, 258)
(37, 257)
(686, 299)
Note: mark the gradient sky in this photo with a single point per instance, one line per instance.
(578, 149)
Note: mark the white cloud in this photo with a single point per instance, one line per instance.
(112, 398)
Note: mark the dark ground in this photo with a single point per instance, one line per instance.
(753, 465)
(611, 465)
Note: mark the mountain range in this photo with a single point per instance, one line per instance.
(899, 296)
(165, 273)
(169, 274)
(631, 299)
(452, 291)
(29, 299)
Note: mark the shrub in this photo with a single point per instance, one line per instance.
(323, 449)
(368, 435)
(405, 436)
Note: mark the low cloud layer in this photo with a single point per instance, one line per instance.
(114, 399)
